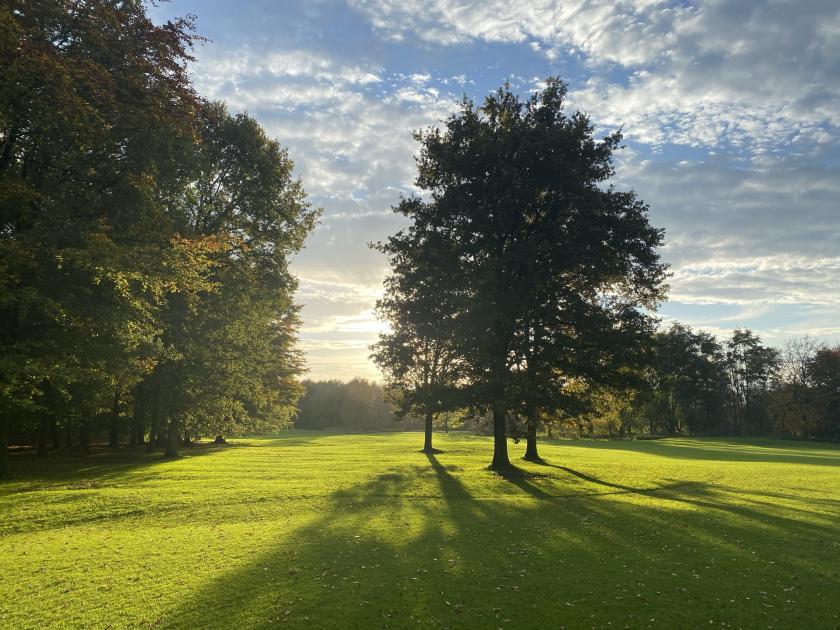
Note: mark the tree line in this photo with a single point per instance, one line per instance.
(145, 294)
(697, 384)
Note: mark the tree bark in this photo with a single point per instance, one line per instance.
(531, 438)
(427, 441)
(43, 434)
(114, 423)
(501, 461)
(84, 436)
(55, 434)
(173, 438)
(153, 433)
(4, 445)
(138, 420)
(138, 434)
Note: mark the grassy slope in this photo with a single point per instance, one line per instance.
(312, 530)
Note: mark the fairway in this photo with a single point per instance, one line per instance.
(315, 530)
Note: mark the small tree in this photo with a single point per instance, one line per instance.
(417, 356)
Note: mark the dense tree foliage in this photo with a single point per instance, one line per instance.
(548, 267)
(699, 385)
(144, 235)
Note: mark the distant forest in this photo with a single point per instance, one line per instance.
(694, 384)
(360, 405)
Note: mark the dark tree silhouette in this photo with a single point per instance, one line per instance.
(418, 356)
(548, 266)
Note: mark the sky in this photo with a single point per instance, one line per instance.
(730, 111)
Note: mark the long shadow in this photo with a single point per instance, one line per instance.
(449, 486)
(414, 547)
(618, 486)
(67, 467)
(59, 491)
(700, 496)
(757, 450)
(29, 472)
(428, 541)
(521, 479)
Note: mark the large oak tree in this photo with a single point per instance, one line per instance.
(551, 269)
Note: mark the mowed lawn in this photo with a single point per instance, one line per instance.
(313, 530)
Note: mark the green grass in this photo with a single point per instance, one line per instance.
(311, 530)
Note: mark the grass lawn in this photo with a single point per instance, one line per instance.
(312, 530)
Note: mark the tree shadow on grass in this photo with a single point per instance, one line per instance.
(102, 465)
(416, 547)
(740, 499)
(522, 480)
(30, 472)
(109, 487)
(721, 449)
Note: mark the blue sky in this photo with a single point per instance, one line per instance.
(730, 108)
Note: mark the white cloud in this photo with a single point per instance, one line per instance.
(752, 75)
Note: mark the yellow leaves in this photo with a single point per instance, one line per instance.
(191, 260)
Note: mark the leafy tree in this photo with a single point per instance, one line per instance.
(824, 370)
(688, 388)
(417, 356)
(318, 407)
(94, 111)
(792, 403)
(232, 356)
(359, 405)
(751, 368)
(145, 236)
(549, 266)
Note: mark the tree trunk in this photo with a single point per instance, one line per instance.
(427, 442)
(531, 438)
(43, 434)
(501, 461)
(173, 438)
(138, 433)
(141, 415)
(55, 435)
(4, 446)
(84, 436)
(68, 433)
(114, 423)
(153, 432)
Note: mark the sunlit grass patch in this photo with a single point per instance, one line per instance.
(318, 530)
